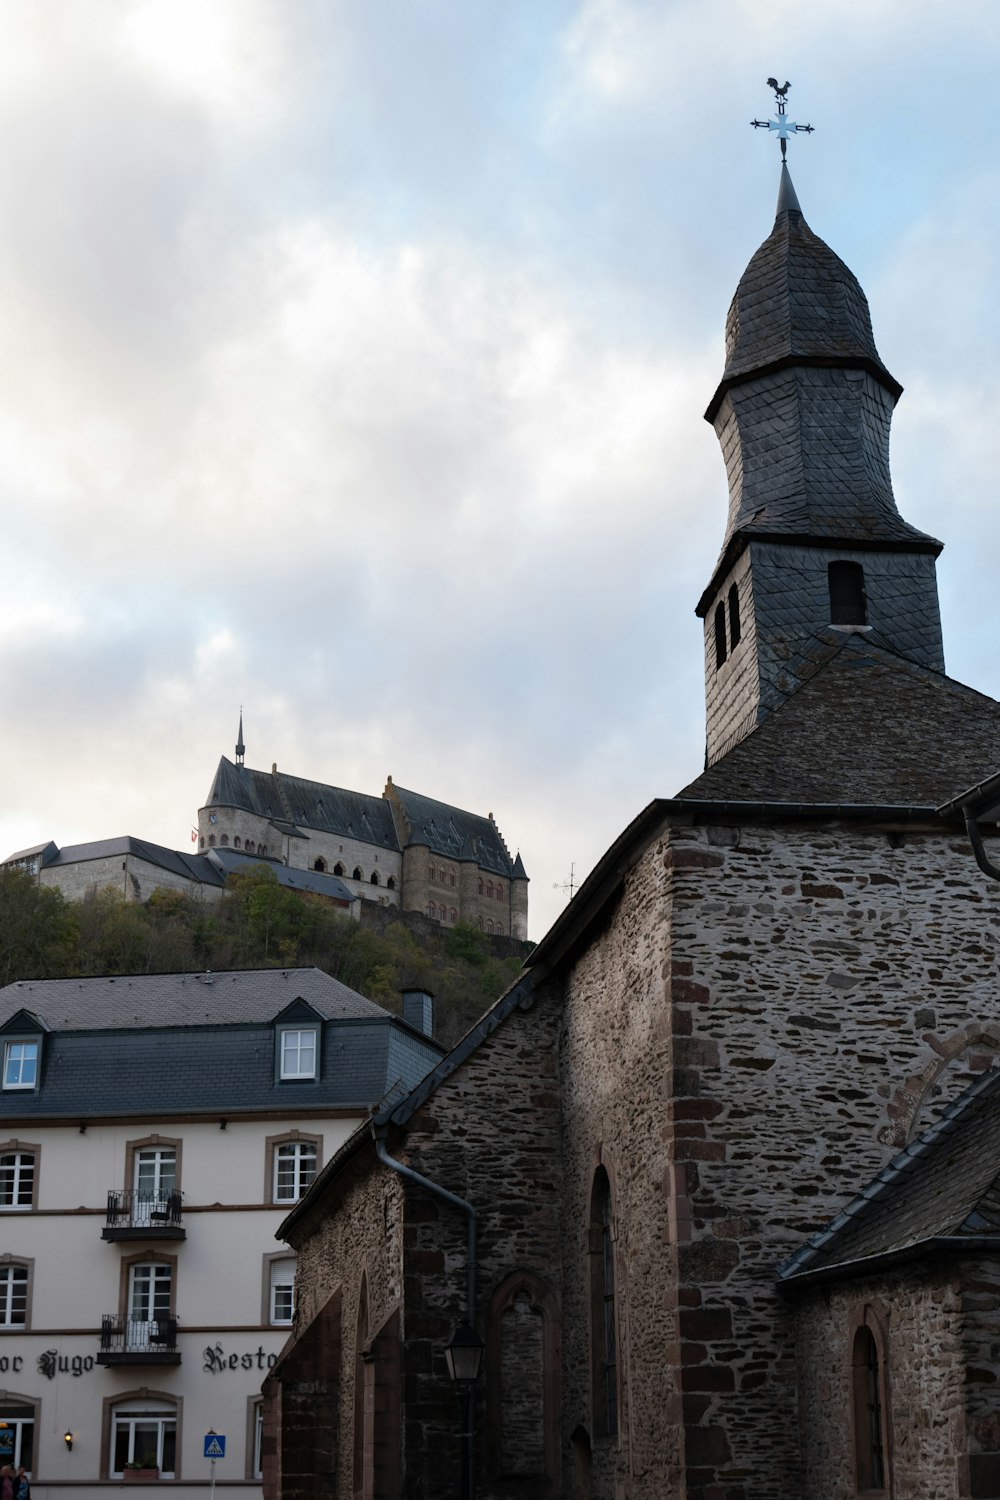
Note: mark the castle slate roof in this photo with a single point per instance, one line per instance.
(453, 833)
(945, 1186)
(175, 1044)
(868, 727)
(288, 799)
(190, 866)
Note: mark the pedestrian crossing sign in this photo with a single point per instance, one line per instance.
(215, 1445)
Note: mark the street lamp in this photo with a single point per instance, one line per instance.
(464, 1356)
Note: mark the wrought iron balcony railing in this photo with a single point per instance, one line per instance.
(137, 1341)
(135, 1215)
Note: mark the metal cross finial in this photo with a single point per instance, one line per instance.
(783, 125)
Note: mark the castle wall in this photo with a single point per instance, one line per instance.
(131, 878)
(233, 823)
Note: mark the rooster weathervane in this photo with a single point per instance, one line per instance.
(783, 125)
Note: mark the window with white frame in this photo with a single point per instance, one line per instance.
(258, 1432)
(17, 1435)
(17, 1179)
(149, 1287)
(143, 1435)
(298, 1052)
(13, 1296)
(155, 1171)
(281, 1303)
(20, 1064)
(294, 1169)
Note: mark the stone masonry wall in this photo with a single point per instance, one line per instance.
(131, 878)
(980, 1300)
(923, 1384)
(616, 1059)
(818, 974)
(363, 1241)
(491, 1135)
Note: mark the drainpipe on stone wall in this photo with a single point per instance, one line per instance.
(380, 1133)
(468, 1436)
(976, 840)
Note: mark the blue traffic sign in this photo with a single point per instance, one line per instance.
(215, 1445)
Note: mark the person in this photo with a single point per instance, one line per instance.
(7, 1486)
(22, 1485)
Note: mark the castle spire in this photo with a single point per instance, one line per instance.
(241, 749)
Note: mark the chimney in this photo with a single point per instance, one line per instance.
(418, 1010)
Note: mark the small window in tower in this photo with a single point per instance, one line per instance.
(391, 883)
(720, 635)
(848, 604)
(734, 617)
(357, 873)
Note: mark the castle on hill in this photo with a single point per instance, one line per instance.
(401, 849)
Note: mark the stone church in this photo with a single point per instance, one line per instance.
(716, 1183)
(400, 849)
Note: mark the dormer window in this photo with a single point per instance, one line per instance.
(298, 1052)
(20, 1064)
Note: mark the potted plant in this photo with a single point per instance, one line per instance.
(141, 1473)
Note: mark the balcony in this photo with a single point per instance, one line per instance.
(136, 1215)
(132, 1341)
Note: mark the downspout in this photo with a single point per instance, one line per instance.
(380, 1132)
(976, 840)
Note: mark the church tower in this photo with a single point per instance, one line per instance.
(814, 545)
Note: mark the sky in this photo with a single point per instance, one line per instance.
(354, 357)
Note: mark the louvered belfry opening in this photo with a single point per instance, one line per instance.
(848, 604)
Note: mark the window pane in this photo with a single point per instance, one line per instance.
(20, 1065)
(17, 1177)
(156, 1171)
(13, 1295)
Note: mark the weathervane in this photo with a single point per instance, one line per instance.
(783, 125)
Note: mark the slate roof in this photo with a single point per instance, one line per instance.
(168, 1044)
(143, 1000)
(456, 834)
(797, 299)
(190, 866)
(944, 1185)
(868, 727)
(315, 882)
(311, 804)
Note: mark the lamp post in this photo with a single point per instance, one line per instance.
(463, 1356)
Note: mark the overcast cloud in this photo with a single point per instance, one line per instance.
(354, 357)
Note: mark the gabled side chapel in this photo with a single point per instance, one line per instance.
(731, 1139)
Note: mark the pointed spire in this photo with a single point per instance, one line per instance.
(241, 749)
(787, 200)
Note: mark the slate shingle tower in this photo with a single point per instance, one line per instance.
(814, 544)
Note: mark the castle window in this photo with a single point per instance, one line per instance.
(451, 877)
(869, 1413)
(262, 849)
(374, 879)
(734, 617)
(320, 865)
(848, 604)
(602, 1305)
(236, 842)
(357, 873)
(211, 840)
(489, 889)
(224, 839)
(249, 846)
(480, 886)
(201, 842)
(338, 868)
(433, 873)
(720, 635)
(391, 883)
(499, 929)
(431, 909)
(499, 892)
(489, 924)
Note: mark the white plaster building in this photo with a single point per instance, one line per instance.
(154, 1132)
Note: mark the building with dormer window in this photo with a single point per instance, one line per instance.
(154, 1131)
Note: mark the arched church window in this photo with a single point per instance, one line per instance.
(338, 868)
(720, 635)
(320, 865)
(374, 879)
(602, 1302)
(848, 604)
(357, 873)
(734, 617)
(869, 1412)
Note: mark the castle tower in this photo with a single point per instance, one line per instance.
(814, 544)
